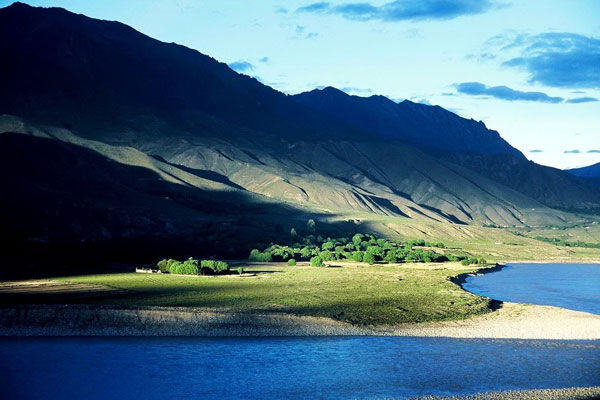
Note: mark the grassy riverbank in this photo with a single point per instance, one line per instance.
(356, 293)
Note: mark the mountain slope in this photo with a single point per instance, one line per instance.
(80, 194)
(236, 148)
(458, 140)
(98, 75)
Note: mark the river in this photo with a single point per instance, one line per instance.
(320, 367)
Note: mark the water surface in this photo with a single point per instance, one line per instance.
(573, 286)
(287, 368)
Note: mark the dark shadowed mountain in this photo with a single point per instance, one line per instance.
(455, 139)
(69, 70)
(63, 192)
(137, 138)
(428, 127)
(591, 173)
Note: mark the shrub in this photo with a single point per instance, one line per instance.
(316, 261)
(310, 225)
(291, 262)
(240, 270)
(369, 258)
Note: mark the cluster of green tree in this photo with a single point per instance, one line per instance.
(193, 266)
(560, 242)
(473, 261)
(360, 247)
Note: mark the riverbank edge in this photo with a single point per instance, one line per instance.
(506, 320)
(511, 321)
(461, 279)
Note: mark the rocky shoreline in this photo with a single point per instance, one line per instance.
(510, 321)
(576, 393)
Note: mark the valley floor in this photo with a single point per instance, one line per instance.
(277, 300)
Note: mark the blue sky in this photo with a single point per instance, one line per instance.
(527, 68)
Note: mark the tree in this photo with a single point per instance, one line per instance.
(369, 258)
(305, 252)
(293, 233)
(310, 225)
(391, 256)
(316, 261)
(357, 256)
(256, 255)
(329, 245)
(357, 239)
(375, 250)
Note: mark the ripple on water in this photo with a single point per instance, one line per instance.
(258, 368)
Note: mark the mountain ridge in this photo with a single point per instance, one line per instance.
(459, 140)
(209, 131)
(408, 121)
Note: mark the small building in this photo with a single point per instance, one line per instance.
(147, 270)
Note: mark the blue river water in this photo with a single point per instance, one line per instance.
(319, 367)
(573, 286)
(287, 368)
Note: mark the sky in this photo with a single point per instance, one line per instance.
(529, 69)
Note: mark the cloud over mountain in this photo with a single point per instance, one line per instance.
(504, 93)
(402, 10)
(557, 59)
(241, 66)
(578, 100)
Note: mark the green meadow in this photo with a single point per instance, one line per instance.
(356, 293)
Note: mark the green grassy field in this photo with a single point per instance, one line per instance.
(359, 294)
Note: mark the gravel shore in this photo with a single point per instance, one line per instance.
(582, 393)
(512, 320)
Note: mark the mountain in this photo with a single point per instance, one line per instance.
(101, 76)
(591, 171)
(459, 140)
(85, 195)
(427, 127)
(590, 174)
(120, 137)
